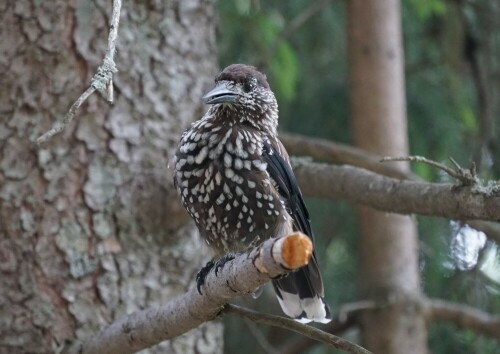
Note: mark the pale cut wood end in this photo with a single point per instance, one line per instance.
(293, 251)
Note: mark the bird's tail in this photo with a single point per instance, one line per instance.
(300, 295)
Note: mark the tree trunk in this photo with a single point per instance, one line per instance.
(91, 227)
(388, 242)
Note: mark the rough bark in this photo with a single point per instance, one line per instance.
(90, 225)
(388, 243)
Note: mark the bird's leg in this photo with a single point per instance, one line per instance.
(202, 274)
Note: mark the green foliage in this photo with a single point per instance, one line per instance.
(445, 338)
(264, 45)
(424, 9)
(468, 118)
(284, 68)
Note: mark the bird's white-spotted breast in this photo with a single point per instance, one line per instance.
(224, 184)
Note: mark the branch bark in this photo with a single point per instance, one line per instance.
(240, 276)
(398, 196)
(148, 327)
(145, 328)
(463, 316)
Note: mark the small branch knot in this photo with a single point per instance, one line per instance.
(103, 78)
(468, 177)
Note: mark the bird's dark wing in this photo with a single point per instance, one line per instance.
(281, 172)
(300, 293)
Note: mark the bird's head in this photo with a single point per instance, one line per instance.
(244, 89)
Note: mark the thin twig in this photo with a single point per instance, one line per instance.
(60, 125)
(422, 159)
(303, 344)
(105, 85)
(308, 331)
(466, 177)
(102, 80)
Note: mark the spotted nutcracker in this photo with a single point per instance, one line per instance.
(236, 182)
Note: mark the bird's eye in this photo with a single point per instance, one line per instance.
(249, 84)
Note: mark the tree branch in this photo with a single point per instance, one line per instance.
(328, 151)
(242, 275)
(398, 196)
(463, 316)
(332, 152)
(102, 80)
(308, 331)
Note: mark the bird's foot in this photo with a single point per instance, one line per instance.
(202, 274)
(222, 261)
(218, 265)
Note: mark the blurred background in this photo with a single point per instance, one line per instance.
(452, 69)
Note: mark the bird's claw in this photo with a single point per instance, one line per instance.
(219, 264)
(202, 274)
(222, 262)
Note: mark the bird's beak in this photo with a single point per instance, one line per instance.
(221, 93)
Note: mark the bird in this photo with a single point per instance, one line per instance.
(235, 180)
